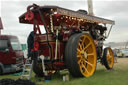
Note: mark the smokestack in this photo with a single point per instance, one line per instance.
(1, 25)
(90, 7)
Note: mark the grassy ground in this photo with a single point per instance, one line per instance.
(117, 76)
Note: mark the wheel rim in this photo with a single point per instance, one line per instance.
(110, 57)
(86, 55)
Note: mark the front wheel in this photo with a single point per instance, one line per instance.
(80, 55)
(108, 58)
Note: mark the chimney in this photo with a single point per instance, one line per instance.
(1, 25)
(90, 7)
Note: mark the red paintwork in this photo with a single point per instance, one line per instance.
(10, 57)
(59, 63)
(67, 24)
(36, 46)
(46, 51)
(29, 15)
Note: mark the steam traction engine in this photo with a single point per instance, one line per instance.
(73, 40)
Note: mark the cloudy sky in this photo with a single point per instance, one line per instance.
(116, 10)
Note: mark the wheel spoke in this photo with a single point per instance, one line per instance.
(87, 46)
(79, 56)
(83, 66)
(90, 54)
(80, 46)
(88, 63)
(83, 42)
(79, 61)
(78, 50)
(109, 58)
(108, 53)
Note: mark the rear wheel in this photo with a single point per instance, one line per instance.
(80, 55)
(1, 71)
(108, 58)
(37, 68)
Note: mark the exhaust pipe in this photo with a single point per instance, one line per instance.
(90, 8)
(1, 25)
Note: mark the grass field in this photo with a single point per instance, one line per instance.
(117, 76)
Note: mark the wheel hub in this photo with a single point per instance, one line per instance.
(84, 55)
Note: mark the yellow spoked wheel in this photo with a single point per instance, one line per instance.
(108, 58)
(86, 55)
(80, 55)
